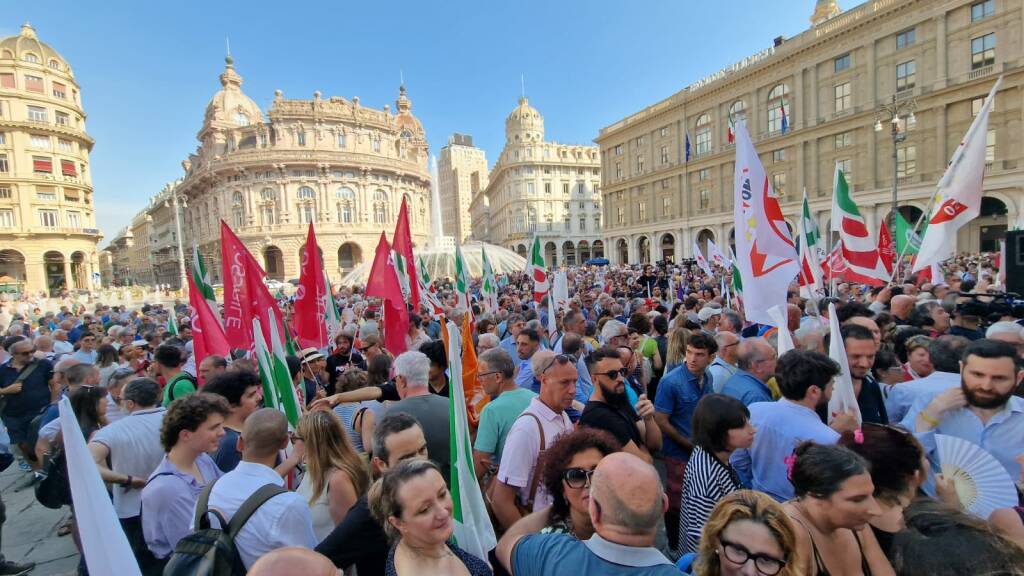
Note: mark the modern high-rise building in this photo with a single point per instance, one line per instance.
(462, 172)
(329, 161)
(48, 234)
(824, 98)
(544, 189)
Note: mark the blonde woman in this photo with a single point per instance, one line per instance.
(748, 533)
(676, 352)
(335, 475)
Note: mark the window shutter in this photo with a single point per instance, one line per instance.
(67, 168)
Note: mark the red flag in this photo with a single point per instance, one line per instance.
(836, 264)
(309, 321)
(405, 264)
(886, 249)
(262, 304)
(237, 309)
(207, 334)
(383, 283)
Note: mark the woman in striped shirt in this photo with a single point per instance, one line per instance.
(721, 425)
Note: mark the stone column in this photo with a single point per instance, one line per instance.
(67, 274)
(798, 96)
(941, 63)
(814, 111)
(631, 250)
(940, 134)
(655, 247)
(872, 91)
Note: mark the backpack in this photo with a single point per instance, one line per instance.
(174, 382)
(211, 551)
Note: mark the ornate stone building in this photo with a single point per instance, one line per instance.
(462, 173)
(330, 161)
(938, 58)
(48, 233)
(541, 188)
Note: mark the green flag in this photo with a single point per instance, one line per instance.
(461, 279)
(737, 281)
(172, 322)
(489, 287)
(265, 361)
(201, 278)
(906, 241)
(278, 391)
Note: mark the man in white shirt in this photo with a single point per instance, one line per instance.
(283, 520)
(133, 446)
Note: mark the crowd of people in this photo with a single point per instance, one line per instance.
(653, 431)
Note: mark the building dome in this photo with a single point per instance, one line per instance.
(404, 119)
(230, 106)
(27, 45)
(524, 123)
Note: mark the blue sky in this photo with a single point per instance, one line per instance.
(148, 69)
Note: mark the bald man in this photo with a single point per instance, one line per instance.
(283, 519)
(627, 502)
(293, 561)
(900, 306)
(756, 359)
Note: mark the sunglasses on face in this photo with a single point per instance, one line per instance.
(577, 477)
(614, 374)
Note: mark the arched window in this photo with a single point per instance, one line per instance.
(380, 207)
(31, 58)
(736, 112)
(703, 135)
(778, 109)
(241, 118)
(346, 199)
(54, 64)
(8, 54)
(306, 193)
(268, 195)
(406, 135)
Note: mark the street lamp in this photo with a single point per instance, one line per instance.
(179, 200)
(891, 113)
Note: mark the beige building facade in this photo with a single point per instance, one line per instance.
(48, 234)
(544, 189)
(462, 173)
(938, 58)
(329, 161)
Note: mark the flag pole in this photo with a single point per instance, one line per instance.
(917, 226)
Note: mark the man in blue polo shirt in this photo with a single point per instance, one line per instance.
(626, 504)
(24, 399)
(678, 393)
(756, 359)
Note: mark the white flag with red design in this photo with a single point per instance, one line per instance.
(701, 260)
(716, 256)
(765, 251)
(958, 199)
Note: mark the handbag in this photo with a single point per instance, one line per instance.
(53, 489)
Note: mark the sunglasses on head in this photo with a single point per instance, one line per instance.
(560, 358)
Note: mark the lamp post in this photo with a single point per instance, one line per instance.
(893, 113)
(179, 203)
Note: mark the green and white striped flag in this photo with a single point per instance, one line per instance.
(331, 315)
(461, 280)
(278, 391)
(489, 288)
(201, 279)
(172, 322)
(421, 271)
(473, 530)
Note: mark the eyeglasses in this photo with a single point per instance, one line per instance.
(737, 554)
(614, 374)
(486, 374)
(560, 358)
(365, 348)
(577, 477)
(26, 352)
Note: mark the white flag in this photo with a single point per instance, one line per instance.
(765, 252)
(958, 198)
(701, 261)
(843, 397)
(560, 290)
(785, 339)
(716, 256)
(103, 541)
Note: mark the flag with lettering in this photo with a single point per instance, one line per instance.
(207, 334)
(958, 198)
(405, 264)
(765, 250)
(383, 284)
(235, 264)
(310, 312)
(886, 249)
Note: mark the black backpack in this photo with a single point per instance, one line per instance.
(211, 551)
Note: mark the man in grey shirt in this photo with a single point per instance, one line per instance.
(412, 373)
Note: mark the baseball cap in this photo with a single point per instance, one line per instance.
(707, 312)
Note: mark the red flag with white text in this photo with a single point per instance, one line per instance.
(309, 321)
(383, 284)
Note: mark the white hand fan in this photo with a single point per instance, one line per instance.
(982, 483)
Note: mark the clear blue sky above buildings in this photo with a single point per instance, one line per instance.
(148, 69)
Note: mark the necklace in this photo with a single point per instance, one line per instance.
(413, 551)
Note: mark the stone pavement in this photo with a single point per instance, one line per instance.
(30, 532)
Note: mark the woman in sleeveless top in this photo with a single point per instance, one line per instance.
(748, 533)
(833, 507)
(335, 476)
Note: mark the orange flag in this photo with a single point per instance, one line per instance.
(476, 398)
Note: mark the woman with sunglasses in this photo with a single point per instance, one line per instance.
(566, 468)
(833, 508)
(721, 425)
(748, 534)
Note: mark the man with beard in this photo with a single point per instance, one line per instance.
(860, 356)
(805, 380)
(983, 410)
(342, 359)
(608, 409)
